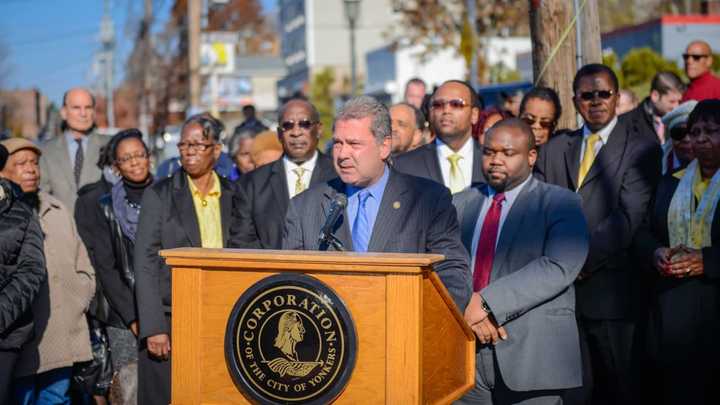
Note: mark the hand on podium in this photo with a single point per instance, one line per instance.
(159, 346)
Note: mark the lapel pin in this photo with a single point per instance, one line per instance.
(396, 204)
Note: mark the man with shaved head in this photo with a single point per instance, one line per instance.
(68, 160)
(698, 63)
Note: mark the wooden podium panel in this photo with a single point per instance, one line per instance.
(412, 345)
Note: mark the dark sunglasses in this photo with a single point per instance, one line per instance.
(695, 57)
(678, 132)
(455, 104)
(543, 124)
(304, 124)
(590, 95)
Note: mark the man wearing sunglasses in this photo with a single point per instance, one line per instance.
(455, 158)
(614, 169)
(269, 188)
(698, 63)
(666, 90)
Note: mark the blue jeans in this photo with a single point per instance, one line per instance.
(48, 388)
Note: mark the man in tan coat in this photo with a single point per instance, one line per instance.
(62, 337)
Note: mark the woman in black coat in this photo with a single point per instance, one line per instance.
(681, 239)
(22, 271)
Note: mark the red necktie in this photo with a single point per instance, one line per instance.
(486, 245)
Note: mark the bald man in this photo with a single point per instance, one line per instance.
(68, 160)
(698, 64)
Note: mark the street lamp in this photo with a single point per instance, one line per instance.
(352, 10)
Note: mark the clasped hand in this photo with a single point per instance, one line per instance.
(483, 324)
(679, 262)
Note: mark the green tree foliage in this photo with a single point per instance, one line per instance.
(611, 59)
(321, 97)
(641, 64)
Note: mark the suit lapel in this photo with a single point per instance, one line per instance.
(610, 155)
(470, 215)
(91, 157)
(226, 196)
(511, 226)
(278, 182)
(389, 216)
(572, 157)
(185, 208)
(432, 162)
(342, 228)
(323, 169)
(477, 174)
(65, 170)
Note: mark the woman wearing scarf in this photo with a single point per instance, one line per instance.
(682, 240)
(116, 218)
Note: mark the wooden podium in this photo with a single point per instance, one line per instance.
(413, 346)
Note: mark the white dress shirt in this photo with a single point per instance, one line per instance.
(510, 197)
(604, 136)
(465, 163)
(291, 176)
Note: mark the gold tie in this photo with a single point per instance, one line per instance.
(299, 185)
(588, 157)
(457, 182)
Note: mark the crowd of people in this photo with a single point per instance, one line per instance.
(587, 261)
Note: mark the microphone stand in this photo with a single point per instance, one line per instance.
(333, 241)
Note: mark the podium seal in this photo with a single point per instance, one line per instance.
(290, 339)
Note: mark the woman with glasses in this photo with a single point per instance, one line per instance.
(678, 152)
(541, 109)
(193, 208)
(682, 240)
(115, 226)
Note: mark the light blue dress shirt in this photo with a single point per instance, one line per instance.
(372, 205)
(72, 146)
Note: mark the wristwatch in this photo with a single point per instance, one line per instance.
(485, 306)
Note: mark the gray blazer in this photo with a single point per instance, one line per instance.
(415, 216)
(542, 247)
(56, 170)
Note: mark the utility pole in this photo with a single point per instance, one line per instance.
(107, 38)
(194, 52)
(146, 67)
(549, 20)
(591, 43)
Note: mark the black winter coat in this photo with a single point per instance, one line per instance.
(22, 266)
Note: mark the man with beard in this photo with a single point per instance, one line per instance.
(68, 160)
(528, 241)
(454, 159)
(270, 187)
(615, 170)
(386, 211)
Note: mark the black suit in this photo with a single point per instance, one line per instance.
(615, 197)
(415, 216)
(684, 316)
(168, 220)
(641, 120)
(267, 198)
(424, 162)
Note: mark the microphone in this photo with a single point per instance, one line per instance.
(326, 232)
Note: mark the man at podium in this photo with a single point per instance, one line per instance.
(373, 208)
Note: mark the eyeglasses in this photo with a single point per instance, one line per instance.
(201, 147)
(678, 133)
(455, 104)
(129, 158)
(543, 124)
(590, 95)
(303, 124)
(695, 56)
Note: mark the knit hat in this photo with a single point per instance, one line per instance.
(15, 144)
(679, 115)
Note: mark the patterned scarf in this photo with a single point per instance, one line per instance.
(690, 224)
(127, 214)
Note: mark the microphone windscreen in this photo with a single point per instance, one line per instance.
(341, 200)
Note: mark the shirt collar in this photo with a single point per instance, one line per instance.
(214, 190)
(445, 151)
(70, 138)
(604, 133)
(308, 164)
(376, 190)
(510, 195)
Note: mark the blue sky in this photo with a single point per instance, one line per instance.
(52, 43)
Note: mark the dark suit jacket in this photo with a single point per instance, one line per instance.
(542, 247)
(267, 197)
(423, 162)
(641, 121)
(415, 216)
(168, 220)
(615, 197)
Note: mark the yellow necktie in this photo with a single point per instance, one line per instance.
(457, 181)
(588, 157)
(299, 185)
